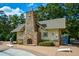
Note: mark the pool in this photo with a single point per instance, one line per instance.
(15, 52)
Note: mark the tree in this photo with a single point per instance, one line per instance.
(7, 24)
(41, 13)
(72, 28)
(55, 11)
(69, 11)
(50, 11)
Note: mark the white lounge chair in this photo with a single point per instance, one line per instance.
(64, 50)
(9, 45)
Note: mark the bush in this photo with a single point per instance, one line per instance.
(46, 43)
(43, 40)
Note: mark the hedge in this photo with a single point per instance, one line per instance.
(46, 43)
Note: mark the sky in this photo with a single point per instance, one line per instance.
(18, 8)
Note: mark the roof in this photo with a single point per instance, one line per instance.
(54, 23)
(42, 27)
(48, 24)
(19, 28)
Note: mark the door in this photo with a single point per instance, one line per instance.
(53, 36)
(65, 40)
(29, 41)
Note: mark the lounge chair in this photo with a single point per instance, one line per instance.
(64, 50)
(9, 45)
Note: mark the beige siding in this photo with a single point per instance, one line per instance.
(53, 34)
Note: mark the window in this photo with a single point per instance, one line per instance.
(45, 34)
(52, 34)
(44, 25)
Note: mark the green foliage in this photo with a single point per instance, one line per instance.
(46, 43)
(72, 8)
(42, 40)
(7, 25)
(73, 28)
(50, 11)
(69, 10)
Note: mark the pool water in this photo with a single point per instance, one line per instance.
(15, 52)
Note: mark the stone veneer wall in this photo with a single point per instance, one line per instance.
(31, 29)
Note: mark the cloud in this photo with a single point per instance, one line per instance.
(31, 4)
(44, 4)
(10, 11)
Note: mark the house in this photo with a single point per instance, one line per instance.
(29, 33)
(33, 31)
(54, 28)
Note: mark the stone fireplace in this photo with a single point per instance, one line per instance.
(32, 33)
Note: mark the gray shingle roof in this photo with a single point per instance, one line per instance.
(50, 24)
(19, 28)
(54, 23)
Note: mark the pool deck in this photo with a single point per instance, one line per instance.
(45, 51)
(3, 46)
(50, 51)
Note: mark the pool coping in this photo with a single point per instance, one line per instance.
(1, 50)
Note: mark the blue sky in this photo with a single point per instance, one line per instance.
(18, 8)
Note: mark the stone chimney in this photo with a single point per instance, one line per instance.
(32, 36)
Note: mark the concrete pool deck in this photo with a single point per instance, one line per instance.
(45, 51)
(3, 46)
(50, 51)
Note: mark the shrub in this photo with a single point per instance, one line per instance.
(43, 40)
(46, 43)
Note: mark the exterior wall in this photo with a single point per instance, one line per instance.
(31, 29)
(20, 37)
(53, 34)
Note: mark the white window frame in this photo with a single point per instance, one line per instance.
(45, 34)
